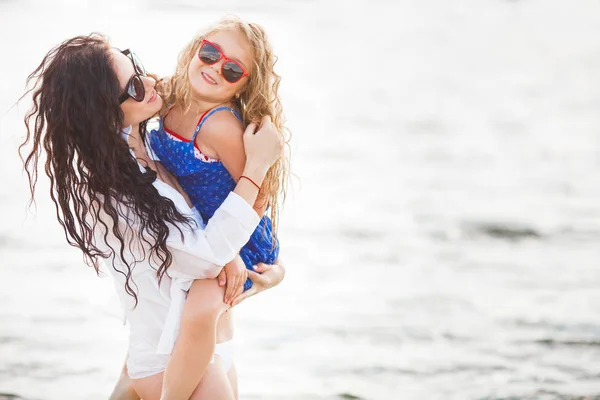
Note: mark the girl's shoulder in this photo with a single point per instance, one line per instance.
(222, 121)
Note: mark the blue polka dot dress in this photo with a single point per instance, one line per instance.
(207, 182)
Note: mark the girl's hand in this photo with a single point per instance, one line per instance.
(265, 277)
(234, 275)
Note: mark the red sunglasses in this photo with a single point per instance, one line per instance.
(210, 54)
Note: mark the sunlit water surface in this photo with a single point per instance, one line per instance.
(441, 235)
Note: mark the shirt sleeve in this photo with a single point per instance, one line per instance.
(200, 252)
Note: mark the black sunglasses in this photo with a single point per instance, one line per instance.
(135, 87)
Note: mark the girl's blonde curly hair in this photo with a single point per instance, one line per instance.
(258, 98)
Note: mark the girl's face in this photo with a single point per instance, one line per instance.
(207, 81)
(135, 111)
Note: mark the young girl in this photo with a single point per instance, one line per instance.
(224, 80)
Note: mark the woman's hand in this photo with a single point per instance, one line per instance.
(265, 277)
(233, 275)
(263, 148)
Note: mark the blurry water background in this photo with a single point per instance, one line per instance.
(441, 237)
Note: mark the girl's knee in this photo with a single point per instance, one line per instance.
(204, 303)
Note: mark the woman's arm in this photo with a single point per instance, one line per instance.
(200, 252)
(266, 277)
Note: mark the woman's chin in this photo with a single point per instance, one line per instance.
(154, 107)
(158, 103)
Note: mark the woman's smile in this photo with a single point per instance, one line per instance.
(152, 96)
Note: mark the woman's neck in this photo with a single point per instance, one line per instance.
(138, 147)
(136, 144)
(134, 139)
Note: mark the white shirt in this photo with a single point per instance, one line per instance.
(199, 253)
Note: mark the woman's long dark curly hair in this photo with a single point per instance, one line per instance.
(76, 120)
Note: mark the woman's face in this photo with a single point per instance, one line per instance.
(207, 81)
(134, 111)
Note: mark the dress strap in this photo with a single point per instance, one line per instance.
(207, 114)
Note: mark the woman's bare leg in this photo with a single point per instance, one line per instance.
(124, 388)
(233, 381)
(149, 388)
(195, 345)
(225, 330)
(214, 385)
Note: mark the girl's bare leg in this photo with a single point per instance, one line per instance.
(124, 388)
(195, 345)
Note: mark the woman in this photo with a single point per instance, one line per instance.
(116, 203)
